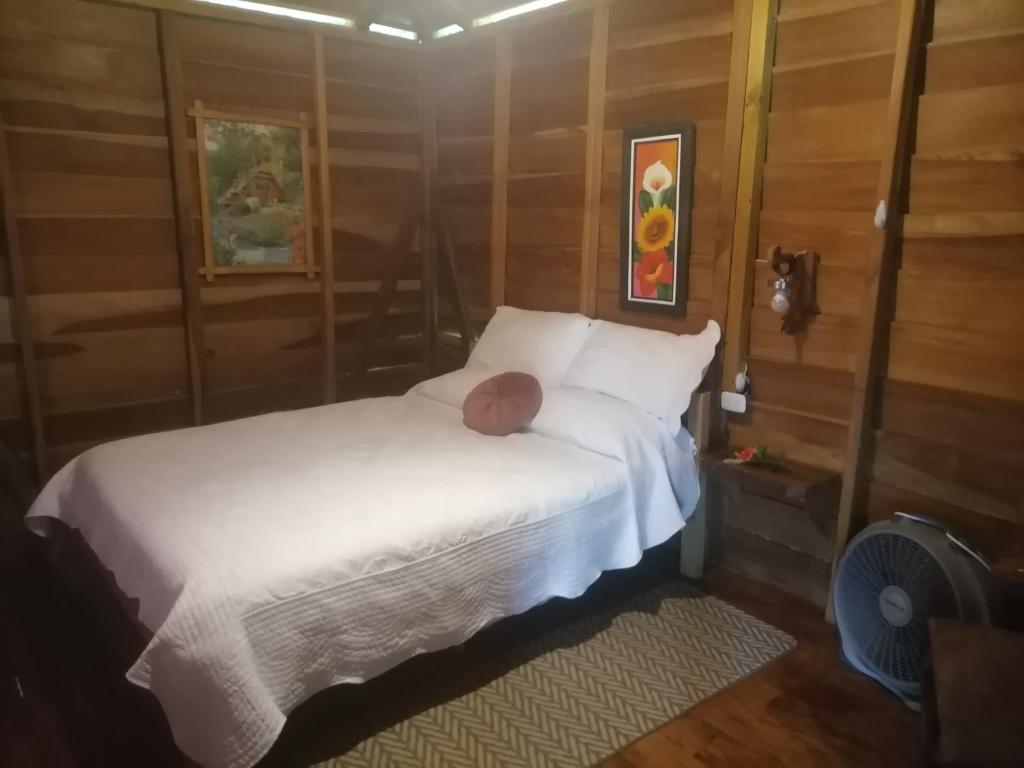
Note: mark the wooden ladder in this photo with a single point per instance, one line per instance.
(460, 337)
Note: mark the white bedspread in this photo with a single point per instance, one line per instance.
(275, 556)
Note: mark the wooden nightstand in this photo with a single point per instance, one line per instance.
(776, 526)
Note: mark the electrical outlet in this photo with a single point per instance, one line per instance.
(734, 402)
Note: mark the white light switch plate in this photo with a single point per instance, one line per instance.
(734, 402)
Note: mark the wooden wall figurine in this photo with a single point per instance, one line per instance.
(255, 193)
(795, 287)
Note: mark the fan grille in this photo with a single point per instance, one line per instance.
(889, 560)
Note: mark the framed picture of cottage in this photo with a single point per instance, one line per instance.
(255, 194)
(657, 195)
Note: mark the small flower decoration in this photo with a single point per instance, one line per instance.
(758, 457)
(748, 454)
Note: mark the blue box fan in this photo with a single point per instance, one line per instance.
(893, 577)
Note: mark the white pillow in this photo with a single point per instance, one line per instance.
(542, 344)
(653, 370)
(451, 388)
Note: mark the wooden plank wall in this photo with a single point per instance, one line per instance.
(85, 123)
(665, 61)
(465, 152)
(829, 86)
(947, 423)
(374, 138)
(262, 332)
(950, 420)
(83, 106)
(547, 163)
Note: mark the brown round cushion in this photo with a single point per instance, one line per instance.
(502, 404)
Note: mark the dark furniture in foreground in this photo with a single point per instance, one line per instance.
(972, 707)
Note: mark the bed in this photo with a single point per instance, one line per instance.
(275, 556)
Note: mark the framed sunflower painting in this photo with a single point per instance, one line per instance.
(657, 166)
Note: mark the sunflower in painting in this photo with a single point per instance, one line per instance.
(657, 228)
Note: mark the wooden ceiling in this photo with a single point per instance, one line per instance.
(423, 16)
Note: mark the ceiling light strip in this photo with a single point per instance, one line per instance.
(517, 10)
(280, 10)
(385, 29)
(451, 29)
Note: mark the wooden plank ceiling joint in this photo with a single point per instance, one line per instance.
(881, 259)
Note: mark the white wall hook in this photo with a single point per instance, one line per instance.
(742, 382)
(880, 215)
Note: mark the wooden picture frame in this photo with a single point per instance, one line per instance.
(657, 199)
(284, 245)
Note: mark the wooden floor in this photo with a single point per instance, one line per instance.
(805, 709)
(75, 709)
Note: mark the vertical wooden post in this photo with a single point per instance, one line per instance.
(499, 194)
(428, 232)
(760, 57)
(451, 262)
(326, 231)
(743, 11)
(19, 297)
(880, 277)
(734, 112)
(595, 146)
(184, 215)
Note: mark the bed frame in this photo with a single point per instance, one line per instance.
(72, 555)
(694, 545)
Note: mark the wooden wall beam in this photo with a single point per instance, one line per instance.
(760, 57)
(184, 213)
(730, 179)
(499, 195)
(326, 230)
(880, 278)
(595, 145)
(446, 239)
(730, 173)
(19, 297)
(428, 229)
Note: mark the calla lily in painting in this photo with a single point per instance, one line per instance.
(657, 178)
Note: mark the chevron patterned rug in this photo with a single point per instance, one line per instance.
(585, 691)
